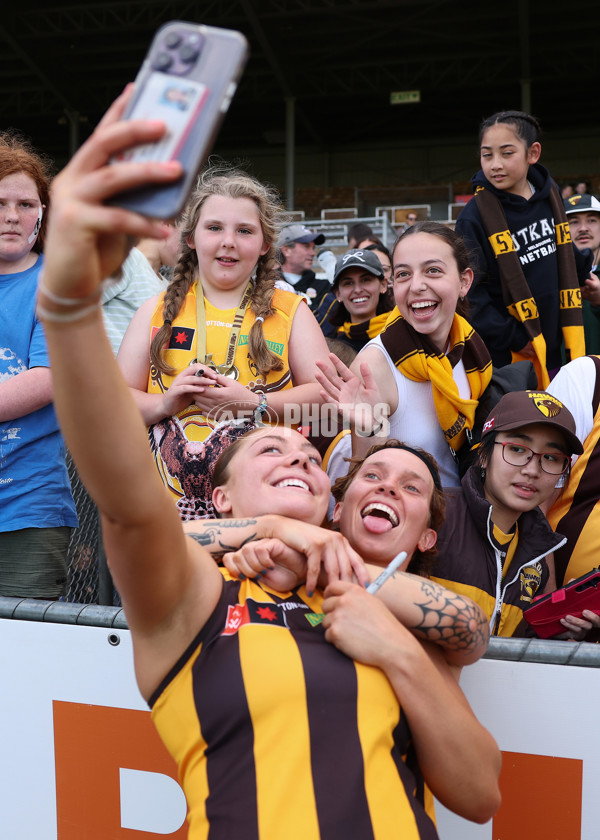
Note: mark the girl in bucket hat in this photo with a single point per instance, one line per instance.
(496, 545)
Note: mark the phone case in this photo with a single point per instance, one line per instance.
(188, 79)
(580, 594)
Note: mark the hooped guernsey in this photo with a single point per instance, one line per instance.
(277, 734)
(501, 573)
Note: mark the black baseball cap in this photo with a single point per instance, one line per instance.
(357, 257)
(585, 203)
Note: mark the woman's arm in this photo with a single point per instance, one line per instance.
(168, 585)
(435, 614)
(322, 549)
(458, 757)
(134, 361)
(430, 611)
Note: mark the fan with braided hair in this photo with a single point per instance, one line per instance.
(222, 342)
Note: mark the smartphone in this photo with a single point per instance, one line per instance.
(188, 79)
(578, 595)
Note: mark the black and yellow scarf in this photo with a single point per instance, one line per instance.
(357, 335)
(417, 358)
(515, 290)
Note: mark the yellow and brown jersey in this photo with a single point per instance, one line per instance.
(278, 734)
(182, 445)
(576, 513)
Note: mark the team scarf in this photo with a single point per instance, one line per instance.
(359, 334)
(515, 289)
(417, 358)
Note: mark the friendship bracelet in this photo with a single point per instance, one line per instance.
(65, 317)
(64, 301)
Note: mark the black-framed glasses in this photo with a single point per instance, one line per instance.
(517, 455)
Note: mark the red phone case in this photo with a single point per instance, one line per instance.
(580, 594)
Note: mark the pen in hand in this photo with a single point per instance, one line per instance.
(387, 572)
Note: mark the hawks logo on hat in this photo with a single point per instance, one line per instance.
(575, 199)
(547, 405)
(489, 424)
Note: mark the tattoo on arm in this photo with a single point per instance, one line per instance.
(211, 537)
(450, 620)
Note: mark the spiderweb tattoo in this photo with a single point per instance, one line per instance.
(451, 619)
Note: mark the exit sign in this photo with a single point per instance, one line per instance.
(403, 97)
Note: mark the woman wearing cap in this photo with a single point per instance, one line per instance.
(420, 380)
(495, 543)
(360, 287)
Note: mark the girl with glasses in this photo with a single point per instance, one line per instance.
(496, 546)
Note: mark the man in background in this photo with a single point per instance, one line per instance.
(583, 214)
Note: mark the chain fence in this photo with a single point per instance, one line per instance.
(88, 578)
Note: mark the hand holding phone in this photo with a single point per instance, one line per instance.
(578, 595)
(188, 79)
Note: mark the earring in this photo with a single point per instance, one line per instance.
(482, 473)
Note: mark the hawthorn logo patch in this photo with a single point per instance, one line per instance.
(546, 404)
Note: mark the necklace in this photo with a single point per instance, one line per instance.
(205, 358)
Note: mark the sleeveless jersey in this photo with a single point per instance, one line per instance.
(279, 735)
(183, 445)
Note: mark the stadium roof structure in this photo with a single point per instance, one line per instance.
(339, 61)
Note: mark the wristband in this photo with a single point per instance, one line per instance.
(261, 409)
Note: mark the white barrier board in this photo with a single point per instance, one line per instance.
(80, 759)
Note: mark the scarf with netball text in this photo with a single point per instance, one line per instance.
(417, 358)
(515, 290)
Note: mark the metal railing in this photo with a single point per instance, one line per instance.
(548, 652)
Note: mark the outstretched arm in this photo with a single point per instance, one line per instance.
(156, 570)
(458, 757)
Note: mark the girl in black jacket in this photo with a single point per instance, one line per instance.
(526, 298)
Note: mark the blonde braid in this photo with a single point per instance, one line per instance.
(262, 299)
(184, 274)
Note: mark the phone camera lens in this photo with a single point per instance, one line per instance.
(173, 40)
(189, 53)
(162, 61)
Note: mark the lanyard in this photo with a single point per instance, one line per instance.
(202, 356)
